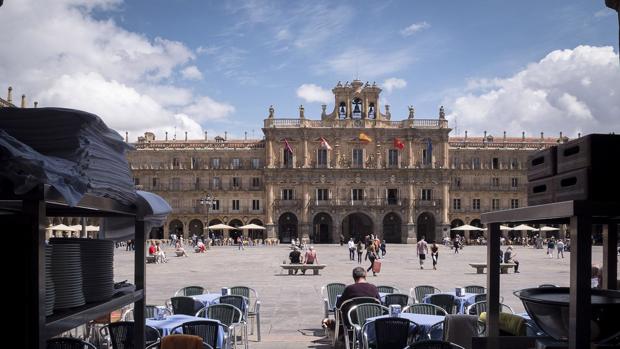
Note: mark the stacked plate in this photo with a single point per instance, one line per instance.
(97, 267)
(50, 294)
(67, 276)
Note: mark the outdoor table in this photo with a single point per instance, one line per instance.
(212, 298)
(166, 325)
(425, 323)
(461, 302)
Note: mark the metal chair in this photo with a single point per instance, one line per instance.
(357, 316)
(185, 305)
(241, 303)
(390, 332)
(121, 335)
(150, 311)
(387, 289)
(190, 291)
(342, 318)
(205, 329)
(330, 294)
(481, 307)
(425, 309)
(433, 344)
(68, 343)
(229, 315)
(483, 297)
(419, 292)
(396, 298)
(446, 301)
(475, 289)
(254, 306)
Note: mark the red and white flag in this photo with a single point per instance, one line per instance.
(287, 146)
(325, 145)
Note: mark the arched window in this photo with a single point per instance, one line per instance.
(357, 108)
(371, 111)
(342, 110)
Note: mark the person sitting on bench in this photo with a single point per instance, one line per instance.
(509, 258)
(295, 257)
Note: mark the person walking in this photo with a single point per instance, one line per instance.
(360, 247)
(351, 249)
(341, 239)
(422, 251)
(434, 254)
(371, 253)
(550, 247)
(456, 244)
(382, 247)
(560, 246)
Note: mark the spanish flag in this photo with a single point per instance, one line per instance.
(325, 145)
(399, 144)
(364, 138)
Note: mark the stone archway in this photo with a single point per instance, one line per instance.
(426, 226)
(235, 233)
(454, 224)
(175, 226)
(392, 228)
(357, 225)
(216, 234)
(256, 233)
(288, 227)
(322, 227)
(196, 227)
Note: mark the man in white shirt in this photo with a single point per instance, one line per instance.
(422, 250)
(351, 249)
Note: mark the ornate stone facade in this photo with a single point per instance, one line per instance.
(353, 172)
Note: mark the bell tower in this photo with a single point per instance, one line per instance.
(356, 100)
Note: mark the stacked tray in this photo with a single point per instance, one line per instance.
(67, 276)
(97, 267)
(50, 294)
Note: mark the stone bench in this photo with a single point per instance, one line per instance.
(503, 267)
(151, 259)
(303, 267)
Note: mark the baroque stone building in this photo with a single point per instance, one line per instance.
(355, 171)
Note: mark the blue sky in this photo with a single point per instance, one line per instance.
(218, 65)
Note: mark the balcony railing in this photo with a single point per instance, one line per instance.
(366, 202)
(419, 203)
(356, 123)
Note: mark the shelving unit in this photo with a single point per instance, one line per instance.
(25, 217)
(580, 215)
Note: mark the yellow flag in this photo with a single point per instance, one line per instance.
(364, 138)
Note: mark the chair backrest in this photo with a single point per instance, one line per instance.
(396, 298)
(475, 289)
(387, 289)
(240, 302)
(332, 290)
(225, 313)
(359, 313)
(446, 301)
(426, 309)
(423, 290)
(205, 329)
(390, 332)
(174, 341)
(121, 334)
(480, 297)
(68, 343)
(190, 291)
(460, 329)
(481, 307)
(343, 311)
(434, 344)
(246, 292)
(185, 305)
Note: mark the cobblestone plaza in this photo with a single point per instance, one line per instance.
(292, 308)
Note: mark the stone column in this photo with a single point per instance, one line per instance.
(269, 204)
(409, 233)
(304, 225)
(306, 155)
(410, 210)
(410, 152)
(269, 154)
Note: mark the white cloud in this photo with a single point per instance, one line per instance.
(313, 93)
(574, 90)
(205, 108)
(414, 28)
(392, 84)
(67, 57)
(604, 13)
(191, 73)
(355, 60)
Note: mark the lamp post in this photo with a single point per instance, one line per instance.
(208, 200)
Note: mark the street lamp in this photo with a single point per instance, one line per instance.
(208, 200)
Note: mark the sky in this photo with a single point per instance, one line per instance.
(196, 65)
